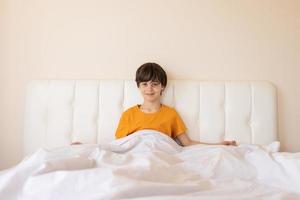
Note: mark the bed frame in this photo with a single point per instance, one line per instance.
(58, 112)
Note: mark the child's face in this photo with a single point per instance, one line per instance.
(151, 90)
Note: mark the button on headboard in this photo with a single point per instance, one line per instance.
(61, 111)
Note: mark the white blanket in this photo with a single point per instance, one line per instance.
(150, 165)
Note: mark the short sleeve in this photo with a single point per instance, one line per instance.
(178, 126)
(123, 128)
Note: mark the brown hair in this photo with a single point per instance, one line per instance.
(151, 72)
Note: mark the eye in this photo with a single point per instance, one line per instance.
(143, 83)
(155, 83)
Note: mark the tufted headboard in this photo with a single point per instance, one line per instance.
(61, 111)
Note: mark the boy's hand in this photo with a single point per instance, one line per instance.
(233, 142)
(76, 143)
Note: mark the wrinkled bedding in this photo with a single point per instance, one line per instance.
(150, 165)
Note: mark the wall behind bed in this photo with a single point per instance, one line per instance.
(200, 40)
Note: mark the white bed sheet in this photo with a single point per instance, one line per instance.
(150, 165)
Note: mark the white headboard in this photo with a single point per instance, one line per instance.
(60, 111)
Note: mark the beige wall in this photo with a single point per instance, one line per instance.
(203, 40)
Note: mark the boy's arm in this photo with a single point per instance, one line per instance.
(75, 143)
(186, 141)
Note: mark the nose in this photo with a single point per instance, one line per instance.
(149, 87)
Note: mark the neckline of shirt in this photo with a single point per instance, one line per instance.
(153, 113)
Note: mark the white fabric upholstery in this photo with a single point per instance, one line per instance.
(61, 111)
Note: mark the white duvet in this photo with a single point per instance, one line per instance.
(150, 165)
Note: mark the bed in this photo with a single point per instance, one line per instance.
(148, 164)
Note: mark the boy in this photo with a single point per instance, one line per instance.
(151, 80)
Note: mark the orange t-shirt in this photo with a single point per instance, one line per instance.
(166, 120)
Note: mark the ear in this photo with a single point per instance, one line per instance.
(162, 89)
